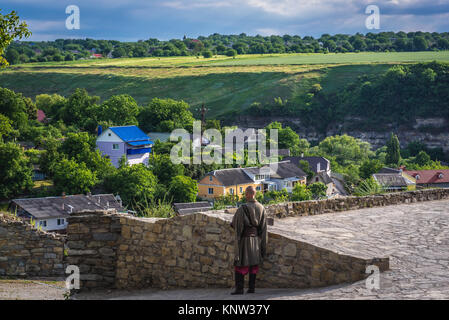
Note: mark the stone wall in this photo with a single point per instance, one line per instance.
(92, 241)
(26, 251)
(306, 208)
(196, 251)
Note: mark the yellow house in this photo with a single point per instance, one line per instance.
(226, 181)
(234, 181)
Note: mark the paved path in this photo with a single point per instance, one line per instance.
(39, 289)
(414, 236)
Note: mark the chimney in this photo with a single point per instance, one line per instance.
(302, 155)
(99, 130)
(318, 167)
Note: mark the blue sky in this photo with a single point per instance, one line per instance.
(131, 20)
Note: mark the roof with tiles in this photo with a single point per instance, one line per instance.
(54, 207)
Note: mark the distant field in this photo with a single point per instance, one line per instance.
(339, 58)
(221, 82)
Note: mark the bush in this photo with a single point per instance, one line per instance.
(231, 53)
(368, 187)
(207, 54)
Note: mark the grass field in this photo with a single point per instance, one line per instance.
(221, 82)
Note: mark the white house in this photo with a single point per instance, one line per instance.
(128, 141)
(51, 213)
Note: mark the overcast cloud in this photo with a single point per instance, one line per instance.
(130, 20)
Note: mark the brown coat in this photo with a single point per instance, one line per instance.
(250, 251)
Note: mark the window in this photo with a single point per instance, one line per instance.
(61, 221)
(210, 178)
(440, 176)
(241, 189)
(109, 134)
(258, 188)
(231, 191)
(211, 191)
(43, 223)
(115, 146)
(417, 177)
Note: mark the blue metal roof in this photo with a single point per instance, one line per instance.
(131, 134)
(140, 143)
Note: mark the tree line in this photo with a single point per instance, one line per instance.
(231, 45)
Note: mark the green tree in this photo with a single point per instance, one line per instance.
(81, 148)
(81, 110)
(183, 189)
(121, 110)
(12, 56)
(135, 184)
(50, 104)
(165, 169)
(345, 149)
(5, 127)
(420, 44)
(301, 193)
(10, 28)
(369, 167)
(318, 190)
(287, 138)
(207, 54)
(13, 106)
(51, 156)
(231, 53)
(72, 177)
(422, 159)
(160, 110)
(118, 52)
(15, 171)
(393, 151)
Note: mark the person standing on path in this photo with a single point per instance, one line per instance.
(250, 225)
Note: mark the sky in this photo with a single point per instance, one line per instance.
(132, 20)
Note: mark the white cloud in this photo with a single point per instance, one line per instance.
(45, 25)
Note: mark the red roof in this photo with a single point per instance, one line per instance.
(97, 55)
(429, 176)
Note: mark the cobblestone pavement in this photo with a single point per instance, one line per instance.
(414, 236)
(38, 289)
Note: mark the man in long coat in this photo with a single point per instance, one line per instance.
(250, 225)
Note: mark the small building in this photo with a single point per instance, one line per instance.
(430, 178)
(394, 181)
(321, 167)
(234, 181)
(316, 164)
(127, 141)
(51, 213)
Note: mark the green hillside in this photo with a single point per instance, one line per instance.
(222, 83)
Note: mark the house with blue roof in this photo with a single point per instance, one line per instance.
(128, 141)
